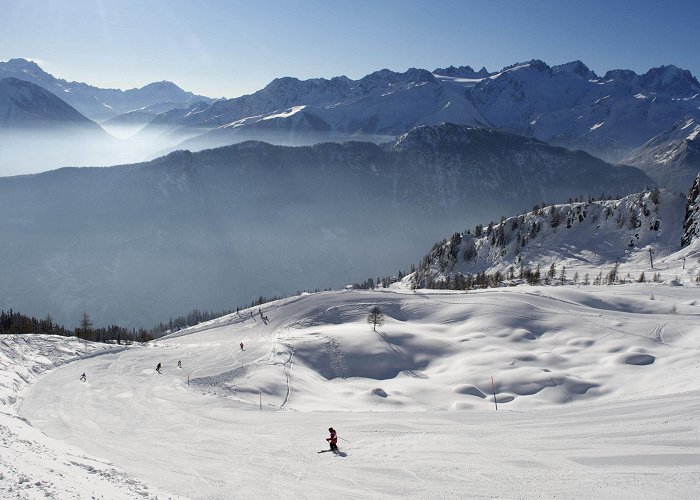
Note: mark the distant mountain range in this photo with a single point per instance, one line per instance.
(619, 117)
(567, 105)
(46, 122)
(138, 243)
(441, 151)
(25, 105)
(38, 128)
(100, 104)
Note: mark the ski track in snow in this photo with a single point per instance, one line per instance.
(33, 465)
(597, 393)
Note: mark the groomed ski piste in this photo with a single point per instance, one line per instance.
(598, 393)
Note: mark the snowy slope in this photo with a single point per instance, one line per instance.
(596, 390)
(672, 158)
(25, 105)
(583, 237)
(33, 465)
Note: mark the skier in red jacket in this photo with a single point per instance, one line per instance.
(333, 440)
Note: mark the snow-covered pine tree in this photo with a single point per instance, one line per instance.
(691, 226)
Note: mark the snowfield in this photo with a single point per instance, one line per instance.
(597, 390)
(33, 465)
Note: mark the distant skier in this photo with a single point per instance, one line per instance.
(83, 378)
(158, 368)
(179, 363)
(333, 440)
(241, 346)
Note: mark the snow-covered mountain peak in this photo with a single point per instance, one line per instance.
(98, 103)
(291, 89)
(285, 82)
(386, 77)
(25, 70)
(575, 68)
(670, 80)
(533, 64)
(164, 85)
(667, 80)
(23, 64)
(23, 103)
(462, 72)
(621, 75)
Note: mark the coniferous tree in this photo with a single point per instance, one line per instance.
(85, 327)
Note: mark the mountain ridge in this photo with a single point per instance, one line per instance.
(136, 243)
(585, 236)
(567, 105)
(671, 158)
(94, 102)
(24, 104)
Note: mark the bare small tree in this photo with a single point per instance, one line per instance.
(376, 317)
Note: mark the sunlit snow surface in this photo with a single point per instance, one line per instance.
(597, 391)
(33, 465)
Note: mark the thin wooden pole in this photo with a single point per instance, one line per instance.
(493, 387)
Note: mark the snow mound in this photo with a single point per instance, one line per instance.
(589, 367)
(542, 345)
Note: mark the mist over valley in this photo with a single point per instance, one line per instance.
(311, 184)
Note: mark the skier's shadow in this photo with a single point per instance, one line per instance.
(342, 454)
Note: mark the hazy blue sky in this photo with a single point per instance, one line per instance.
(228, 48)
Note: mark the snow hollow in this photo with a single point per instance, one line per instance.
(596, 386)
